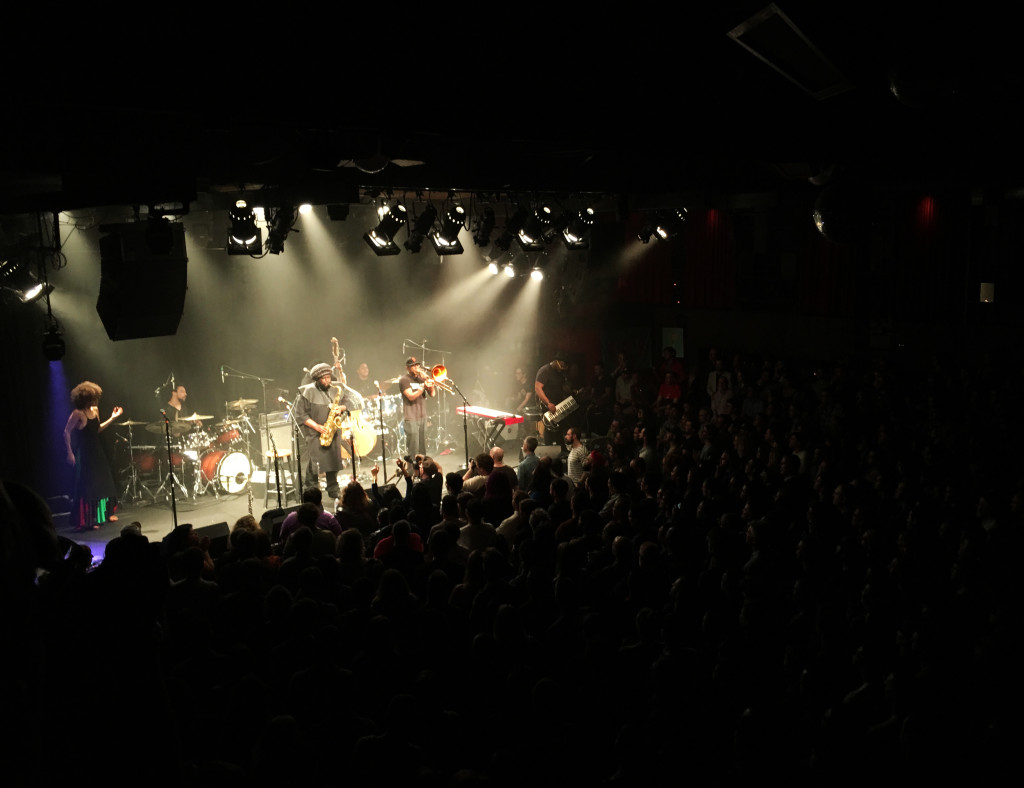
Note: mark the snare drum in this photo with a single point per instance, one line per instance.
(230, 471)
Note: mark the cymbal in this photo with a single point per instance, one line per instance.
(131, 423)
(176, 428)
(195, 417)
(240, 403)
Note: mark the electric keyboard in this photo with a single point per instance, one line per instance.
(506, 419)
(562, 409)
(489, 422)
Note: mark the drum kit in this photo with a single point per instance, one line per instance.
(201, 460)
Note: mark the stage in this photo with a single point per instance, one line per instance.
(217, 509)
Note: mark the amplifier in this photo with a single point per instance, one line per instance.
(280, 429)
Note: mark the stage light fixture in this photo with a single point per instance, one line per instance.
(281, 224)
(305, 208)
(492, 266)
(532, 235)
(665, 224)
(19, 281)
(446, 240)
(421, 228)
(381, 237)
(669, 223)
(576, 233)
(537, 274)
(244, 237)
(484, 228)
(509, 270)
(53, 344)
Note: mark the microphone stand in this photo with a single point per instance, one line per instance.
(170, 468)
(383, 442)
(465, 417)
(277, 467)
(245, 416)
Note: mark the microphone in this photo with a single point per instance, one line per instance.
(306, 370)
(221, 373)
(282, 399)
(376, 385)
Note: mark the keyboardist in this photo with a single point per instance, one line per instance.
(551, 386)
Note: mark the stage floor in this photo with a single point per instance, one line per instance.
(158, 518)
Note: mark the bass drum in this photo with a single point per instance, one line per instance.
(364, 436)
(230, 471)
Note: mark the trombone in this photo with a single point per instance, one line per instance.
(439, 374)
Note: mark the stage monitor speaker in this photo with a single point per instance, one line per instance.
(218, 535)
(143, 277)
(280, 431)
(390, 495)
(272, 520)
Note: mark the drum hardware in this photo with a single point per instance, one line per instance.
(133, 486)
(171, 478)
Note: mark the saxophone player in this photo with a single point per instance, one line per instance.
(415, 386)
(312, 410)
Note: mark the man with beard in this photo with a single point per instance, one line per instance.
(312, 410)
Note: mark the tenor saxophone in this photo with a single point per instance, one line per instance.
(333, 423)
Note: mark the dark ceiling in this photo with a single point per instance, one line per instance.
(641, 110)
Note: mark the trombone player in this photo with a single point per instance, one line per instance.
(415, 386)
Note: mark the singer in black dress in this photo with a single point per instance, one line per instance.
(94, 490)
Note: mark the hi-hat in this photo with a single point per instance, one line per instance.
(176, 428)
(240, 403)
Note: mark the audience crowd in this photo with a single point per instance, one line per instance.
(764, 567)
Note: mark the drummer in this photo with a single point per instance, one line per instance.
(363, 383)
(177, 401)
